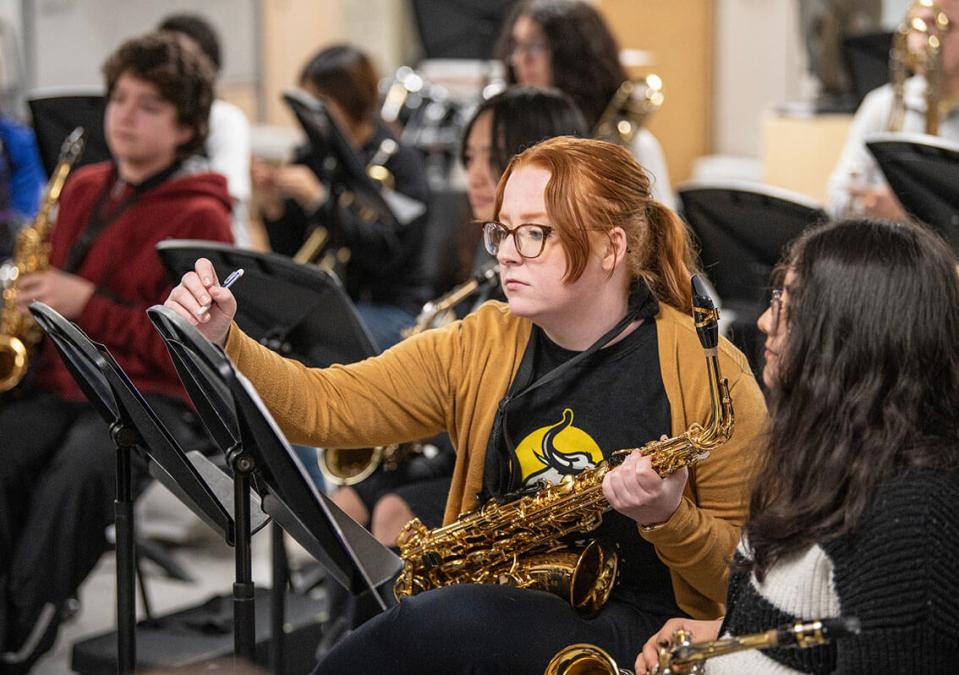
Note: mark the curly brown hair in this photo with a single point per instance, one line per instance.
(180, 72)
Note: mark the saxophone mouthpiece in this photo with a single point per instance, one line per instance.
(705, 314)
(72, 146)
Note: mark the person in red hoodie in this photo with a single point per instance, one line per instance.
(57, 475)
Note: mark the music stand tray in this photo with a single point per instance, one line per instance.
(297, 310)
(351, 555)
(133, 423)
(923, 171)
(341, 167)
(743, 229)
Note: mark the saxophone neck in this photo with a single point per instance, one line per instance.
(798, 635)
(718, 427)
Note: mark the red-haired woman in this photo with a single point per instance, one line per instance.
(594, 351)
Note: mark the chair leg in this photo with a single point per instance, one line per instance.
(158, 555)
(144, 595)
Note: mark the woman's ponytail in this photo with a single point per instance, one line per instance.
(670, 259)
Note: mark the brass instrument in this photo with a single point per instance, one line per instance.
(684, 657)
(518, 543)
(435, 312)
(19, 333)
(315, 249)
(629, 109)
(902, 59)
(353, 465)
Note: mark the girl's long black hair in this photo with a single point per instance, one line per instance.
(868, 381)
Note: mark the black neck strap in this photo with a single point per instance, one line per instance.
(100, 221)
(499, 466)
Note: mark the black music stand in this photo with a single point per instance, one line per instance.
(56, 114)
(923, 171)
(334, 160)
(346, 550)
(742, 230)
(350, 554)
(297, 310)
(190, 476)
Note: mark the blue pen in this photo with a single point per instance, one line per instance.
(230, 280)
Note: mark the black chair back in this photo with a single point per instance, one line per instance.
(55, 115)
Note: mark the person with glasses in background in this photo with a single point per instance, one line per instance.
(854, 507)
(566, 44)
(593, 269)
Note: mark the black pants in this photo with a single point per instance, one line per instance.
(57, 487)
(486, 629)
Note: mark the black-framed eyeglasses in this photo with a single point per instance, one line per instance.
(776, 307)
(528, 238)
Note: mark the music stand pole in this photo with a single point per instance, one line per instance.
(244, 609)
(281, 577)
(125, 439)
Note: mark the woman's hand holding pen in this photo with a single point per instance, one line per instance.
(206, 304)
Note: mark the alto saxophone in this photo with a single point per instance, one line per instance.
(19, 333)
(434, 310)
(519, 543)
(629, 109)
(684, 657)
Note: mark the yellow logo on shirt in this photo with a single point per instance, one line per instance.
(551, 452)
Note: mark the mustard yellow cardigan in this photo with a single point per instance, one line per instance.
(452, 379)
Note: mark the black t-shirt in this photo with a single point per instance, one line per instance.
(614, 399)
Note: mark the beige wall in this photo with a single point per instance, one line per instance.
(292, 30)
(678, 34)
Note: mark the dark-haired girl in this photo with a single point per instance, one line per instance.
(854, 508)
(566, 44)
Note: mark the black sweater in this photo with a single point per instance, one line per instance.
(898, 573)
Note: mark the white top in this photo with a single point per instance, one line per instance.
(856, 164)
(228, 148)
(647, 151)
(800, 585)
